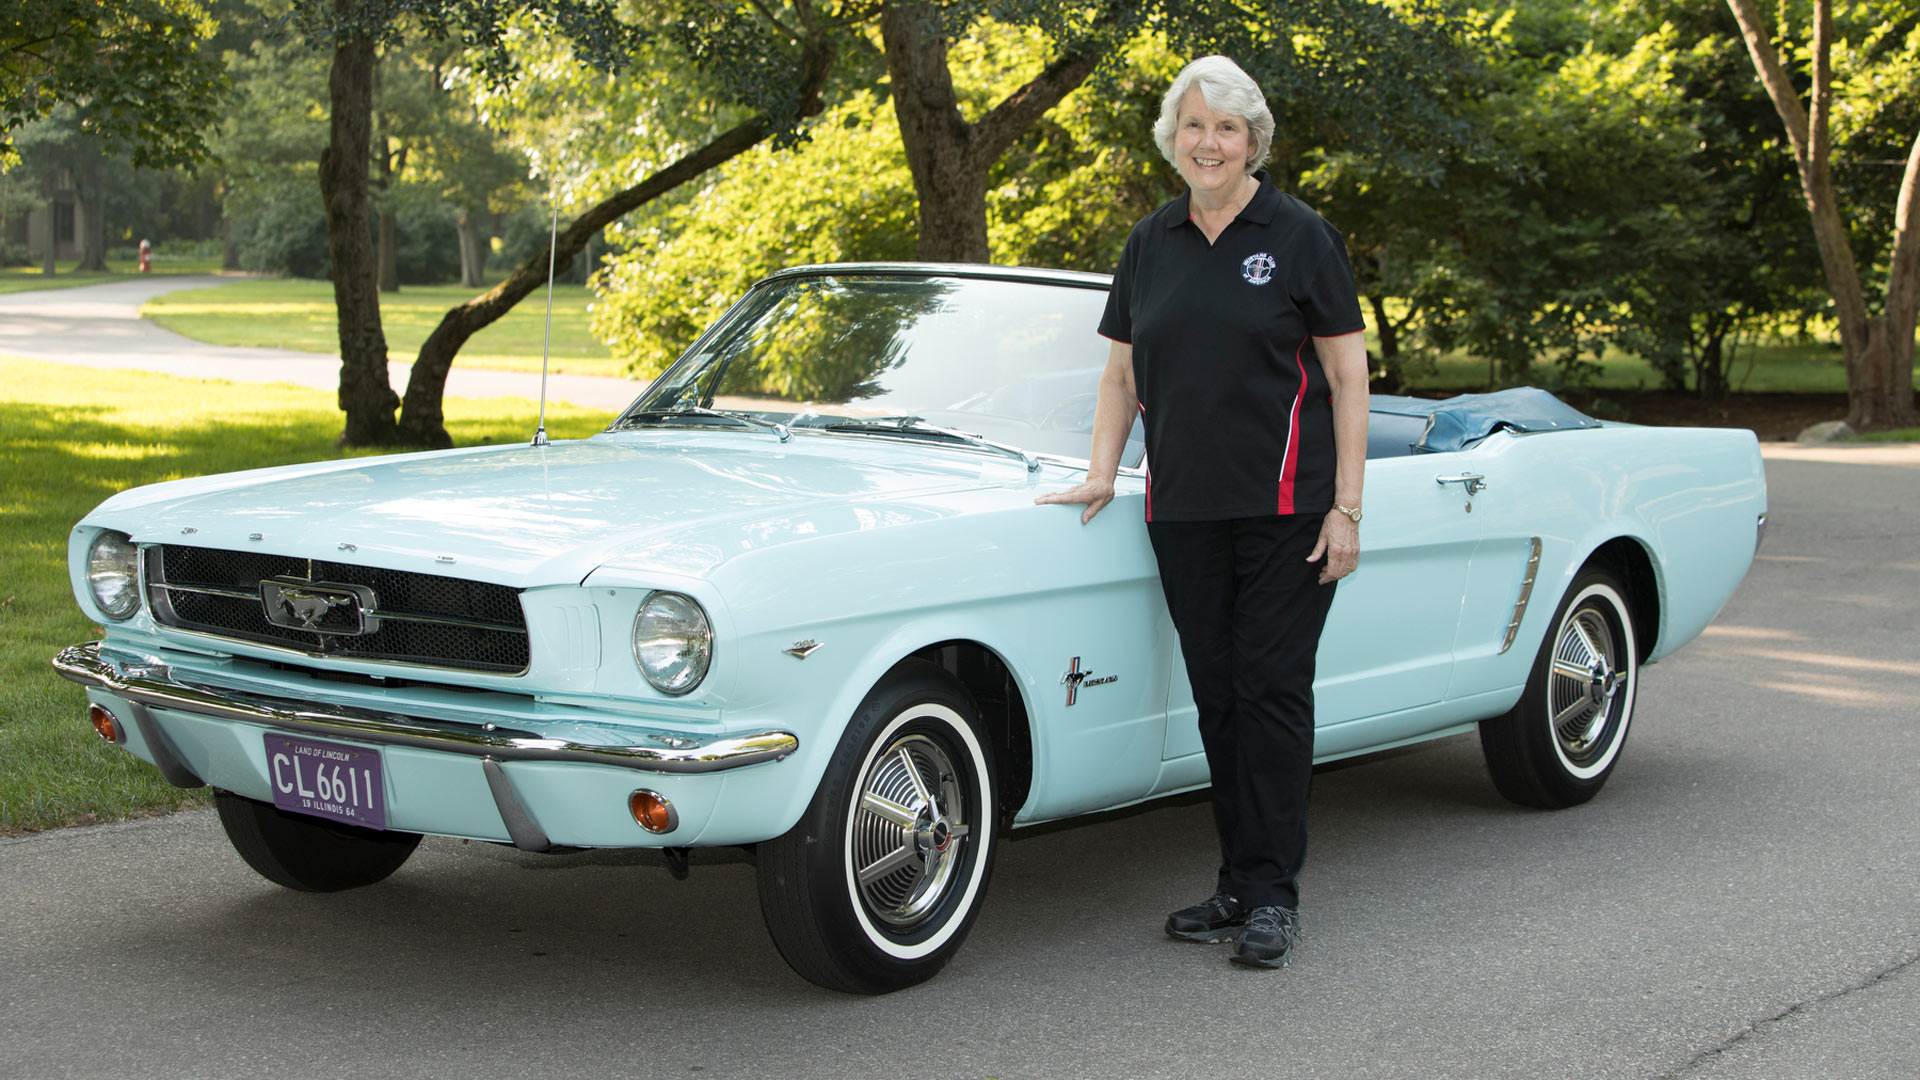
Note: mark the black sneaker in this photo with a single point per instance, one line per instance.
(1217, 918)
(1268, 938)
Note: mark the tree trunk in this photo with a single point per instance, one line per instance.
(1872, 400)
(50, 255)
(366, 394)
(473, 247)
(90, 210)
(422, 421)
(1710, 371)
(229, 255)
(949, 158)
(1878, 411)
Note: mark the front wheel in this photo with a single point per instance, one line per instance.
(1558, 745)
(307, 853)
(877, 885)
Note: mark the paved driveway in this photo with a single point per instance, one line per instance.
(100, 326)
(1739, 903)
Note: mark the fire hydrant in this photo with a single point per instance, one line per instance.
(146, 257)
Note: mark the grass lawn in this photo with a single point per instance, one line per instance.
(1788, 367)
(74, 436)
(291, 313)
(15, 279)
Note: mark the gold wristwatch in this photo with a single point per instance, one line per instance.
(1351, 511)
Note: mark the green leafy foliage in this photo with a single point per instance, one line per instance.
(845, 194)
(1064, 196)
(133, 68)
(1622, 186)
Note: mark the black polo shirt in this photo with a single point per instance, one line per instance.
(1238, 418)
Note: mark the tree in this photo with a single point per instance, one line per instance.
(1878, 346)
(366, 395)
(1744, 263)
(356, 29)
(763, 62)
(949, 156)
(59, 151)
(1617, 186)
(1064, 195)
(1368, 71)
(134, 68)
(787, 100)
(268, 152)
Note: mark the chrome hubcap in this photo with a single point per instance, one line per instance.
(1587, 674)
(909, 830)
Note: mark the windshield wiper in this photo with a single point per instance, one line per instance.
(914, 425)
(700, 410)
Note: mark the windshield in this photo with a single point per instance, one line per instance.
(1016, 362)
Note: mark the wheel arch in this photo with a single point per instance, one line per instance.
(1003, 708)
(1628, 559)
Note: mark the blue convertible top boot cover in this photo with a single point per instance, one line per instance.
(1461, 421)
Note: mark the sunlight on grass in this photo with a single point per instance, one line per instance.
(295, 314)
(76, 435)
(16, 279)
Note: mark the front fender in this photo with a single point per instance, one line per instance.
(762, 803)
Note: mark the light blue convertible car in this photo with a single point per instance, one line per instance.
(798, 596)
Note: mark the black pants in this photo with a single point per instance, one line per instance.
(1249, 609)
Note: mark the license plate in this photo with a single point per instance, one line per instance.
(328, 780)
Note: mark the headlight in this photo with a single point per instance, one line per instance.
(672, 643)
(113, 569)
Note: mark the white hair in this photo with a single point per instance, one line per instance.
(1227, 89)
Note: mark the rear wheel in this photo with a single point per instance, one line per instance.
(308, 853)
(1558, 745)
(877, 885)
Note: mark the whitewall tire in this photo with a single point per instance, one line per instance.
(877, 885)
(1558, 745)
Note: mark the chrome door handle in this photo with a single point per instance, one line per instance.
(1475, 483)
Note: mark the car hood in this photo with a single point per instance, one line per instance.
(527, 516)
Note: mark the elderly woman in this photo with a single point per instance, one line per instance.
(1236, 336)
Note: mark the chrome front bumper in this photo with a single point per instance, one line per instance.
(145, 682)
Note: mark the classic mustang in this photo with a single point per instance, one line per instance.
(799, 596)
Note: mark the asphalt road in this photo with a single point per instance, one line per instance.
(1738, 903)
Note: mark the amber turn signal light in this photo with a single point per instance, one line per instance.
(105, 724)
(652, 810)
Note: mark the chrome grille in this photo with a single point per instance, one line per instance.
(423, 619)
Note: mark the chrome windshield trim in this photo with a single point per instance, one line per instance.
(147, 682)
(1071, 278)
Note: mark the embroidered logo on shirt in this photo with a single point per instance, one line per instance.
(1257, 269)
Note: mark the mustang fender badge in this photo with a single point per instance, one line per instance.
(800, 650)
(1074, 679)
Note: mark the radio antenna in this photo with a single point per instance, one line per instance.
(546, 343)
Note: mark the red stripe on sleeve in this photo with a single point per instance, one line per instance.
(1290, 459)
